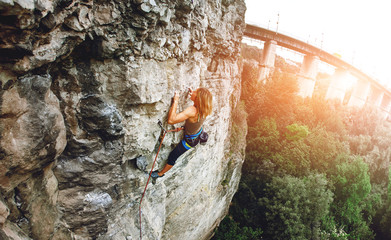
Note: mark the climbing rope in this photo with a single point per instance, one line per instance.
(149, 177)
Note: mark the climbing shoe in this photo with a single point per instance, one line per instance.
(155, 174)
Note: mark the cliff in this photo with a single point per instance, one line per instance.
(83, 85)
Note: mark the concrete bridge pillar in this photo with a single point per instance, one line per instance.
(267, 61)
(376, 96)
(385, 105)
(307, 75)
(360, 93)
(338, 84)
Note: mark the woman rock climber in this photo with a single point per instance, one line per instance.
(194, 116)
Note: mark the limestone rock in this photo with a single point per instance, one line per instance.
(33, 130)
(4, 212)
(98, 116)
(83, 85)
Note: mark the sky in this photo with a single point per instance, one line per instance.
(358, 30)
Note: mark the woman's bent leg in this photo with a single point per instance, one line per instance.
(165, 169)
(174, 155)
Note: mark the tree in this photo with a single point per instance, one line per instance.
(295, 206)
(324, 149)
(331, 230)
(385, 223)
(230, 230)
(330, 114)
(263, 140)
(364, 121)
(280, 100)
(252, 90)
(352, 186)
(296, 132)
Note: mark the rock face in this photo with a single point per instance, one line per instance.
(83, 85)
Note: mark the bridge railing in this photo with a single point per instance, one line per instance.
(317, 44)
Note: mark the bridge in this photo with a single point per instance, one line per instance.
(366, 91)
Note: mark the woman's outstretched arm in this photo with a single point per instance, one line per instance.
(174, 117)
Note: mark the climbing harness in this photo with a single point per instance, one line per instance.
(191, 140)
(149, 177)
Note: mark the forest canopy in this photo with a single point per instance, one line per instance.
(314, 168)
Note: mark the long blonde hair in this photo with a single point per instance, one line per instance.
(204, 102)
